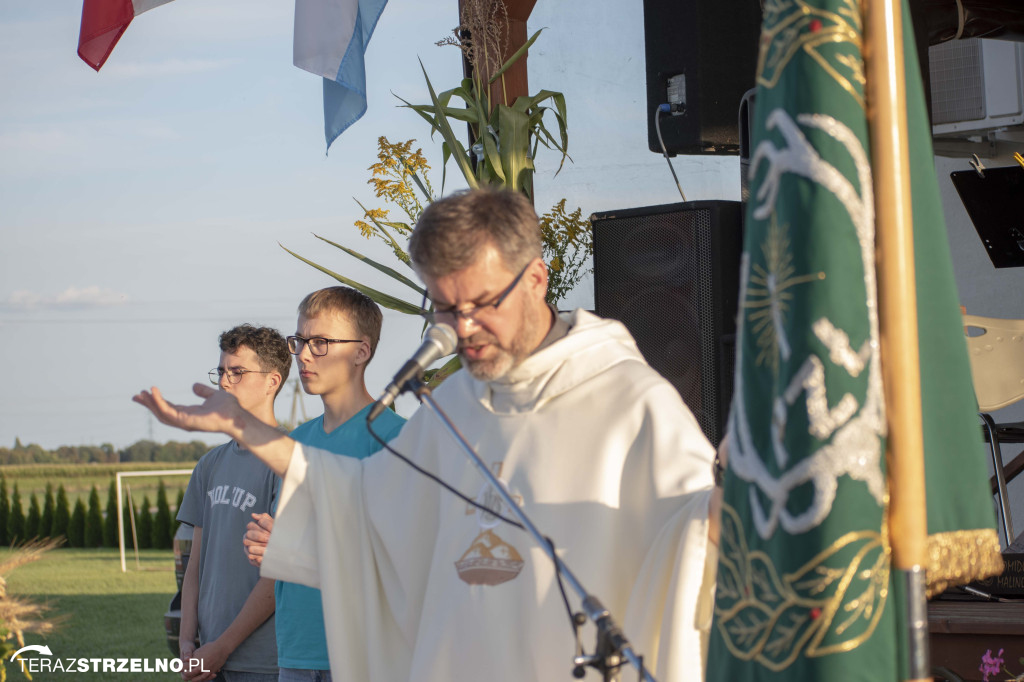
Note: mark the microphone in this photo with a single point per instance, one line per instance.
(440, 340)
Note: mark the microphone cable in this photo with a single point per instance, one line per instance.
(437, 479)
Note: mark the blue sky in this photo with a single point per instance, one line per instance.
(141, 207)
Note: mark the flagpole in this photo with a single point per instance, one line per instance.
(887, 121)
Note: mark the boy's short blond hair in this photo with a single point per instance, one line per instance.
(354, 305)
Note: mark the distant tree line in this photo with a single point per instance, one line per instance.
(85, 526)
(141, 451)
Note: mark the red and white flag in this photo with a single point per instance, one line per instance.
(103, 22)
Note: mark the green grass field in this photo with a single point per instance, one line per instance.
(108, 613)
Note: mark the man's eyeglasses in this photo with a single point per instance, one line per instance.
(317, 345)
(234, 374)
(450, 316)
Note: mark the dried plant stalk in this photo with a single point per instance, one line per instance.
(483, 34)
(18, 616)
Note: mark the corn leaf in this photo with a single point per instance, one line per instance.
(515, 57)
(445, 155)
(382, 299)
(491, 155)
(461, 158)
(543, 135)
(545, 138)
(458, 113)
(478, 104)
(514, 142)
(558, 99)
(390, 272)
(527, 187)
(436, 376)
(426, 112)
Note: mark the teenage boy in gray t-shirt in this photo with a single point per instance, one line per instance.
(223, 598)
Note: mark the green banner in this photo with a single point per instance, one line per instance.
(804, 580)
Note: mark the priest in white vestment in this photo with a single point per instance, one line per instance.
(597, 448)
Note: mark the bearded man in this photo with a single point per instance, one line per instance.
(598, 449)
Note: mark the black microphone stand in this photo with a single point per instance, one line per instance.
(612, 645)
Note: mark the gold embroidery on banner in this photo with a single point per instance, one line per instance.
(768, 295)
(791, 26)
(829, 605)
(962, 556)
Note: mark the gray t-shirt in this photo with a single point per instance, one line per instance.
(227, 486)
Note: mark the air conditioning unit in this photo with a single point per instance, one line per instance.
(977, 90)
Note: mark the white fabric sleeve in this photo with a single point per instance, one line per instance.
(291, 553)
(668, 611)
(322, 529)
(667, 606)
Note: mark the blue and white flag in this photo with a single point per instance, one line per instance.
(330, 39)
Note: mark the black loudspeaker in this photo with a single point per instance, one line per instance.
(671, 275)
(706, 50)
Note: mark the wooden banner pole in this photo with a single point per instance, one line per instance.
(887, 120)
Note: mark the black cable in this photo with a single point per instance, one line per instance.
(561, 586)
(511, 522)
(441, 483)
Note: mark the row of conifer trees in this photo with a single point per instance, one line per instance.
(85, 525)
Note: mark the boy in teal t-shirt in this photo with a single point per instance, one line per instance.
(335, 338)
(301, 642)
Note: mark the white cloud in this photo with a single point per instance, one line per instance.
(72, 297)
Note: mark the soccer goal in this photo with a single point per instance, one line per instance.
(120, 506)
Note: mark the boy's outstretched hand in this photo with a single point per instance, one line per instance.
(220, 411)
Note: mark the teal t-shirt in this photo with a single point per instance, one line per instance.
(301, 641)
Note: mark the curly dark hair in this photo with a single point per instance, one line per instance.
(270, 347)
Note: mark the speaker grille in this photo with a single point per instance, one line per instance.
(670, 274)
(957, 80)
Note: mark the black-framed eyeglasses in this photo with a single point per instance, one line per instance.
(318, 345)
(451, 316)
(234, 374)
